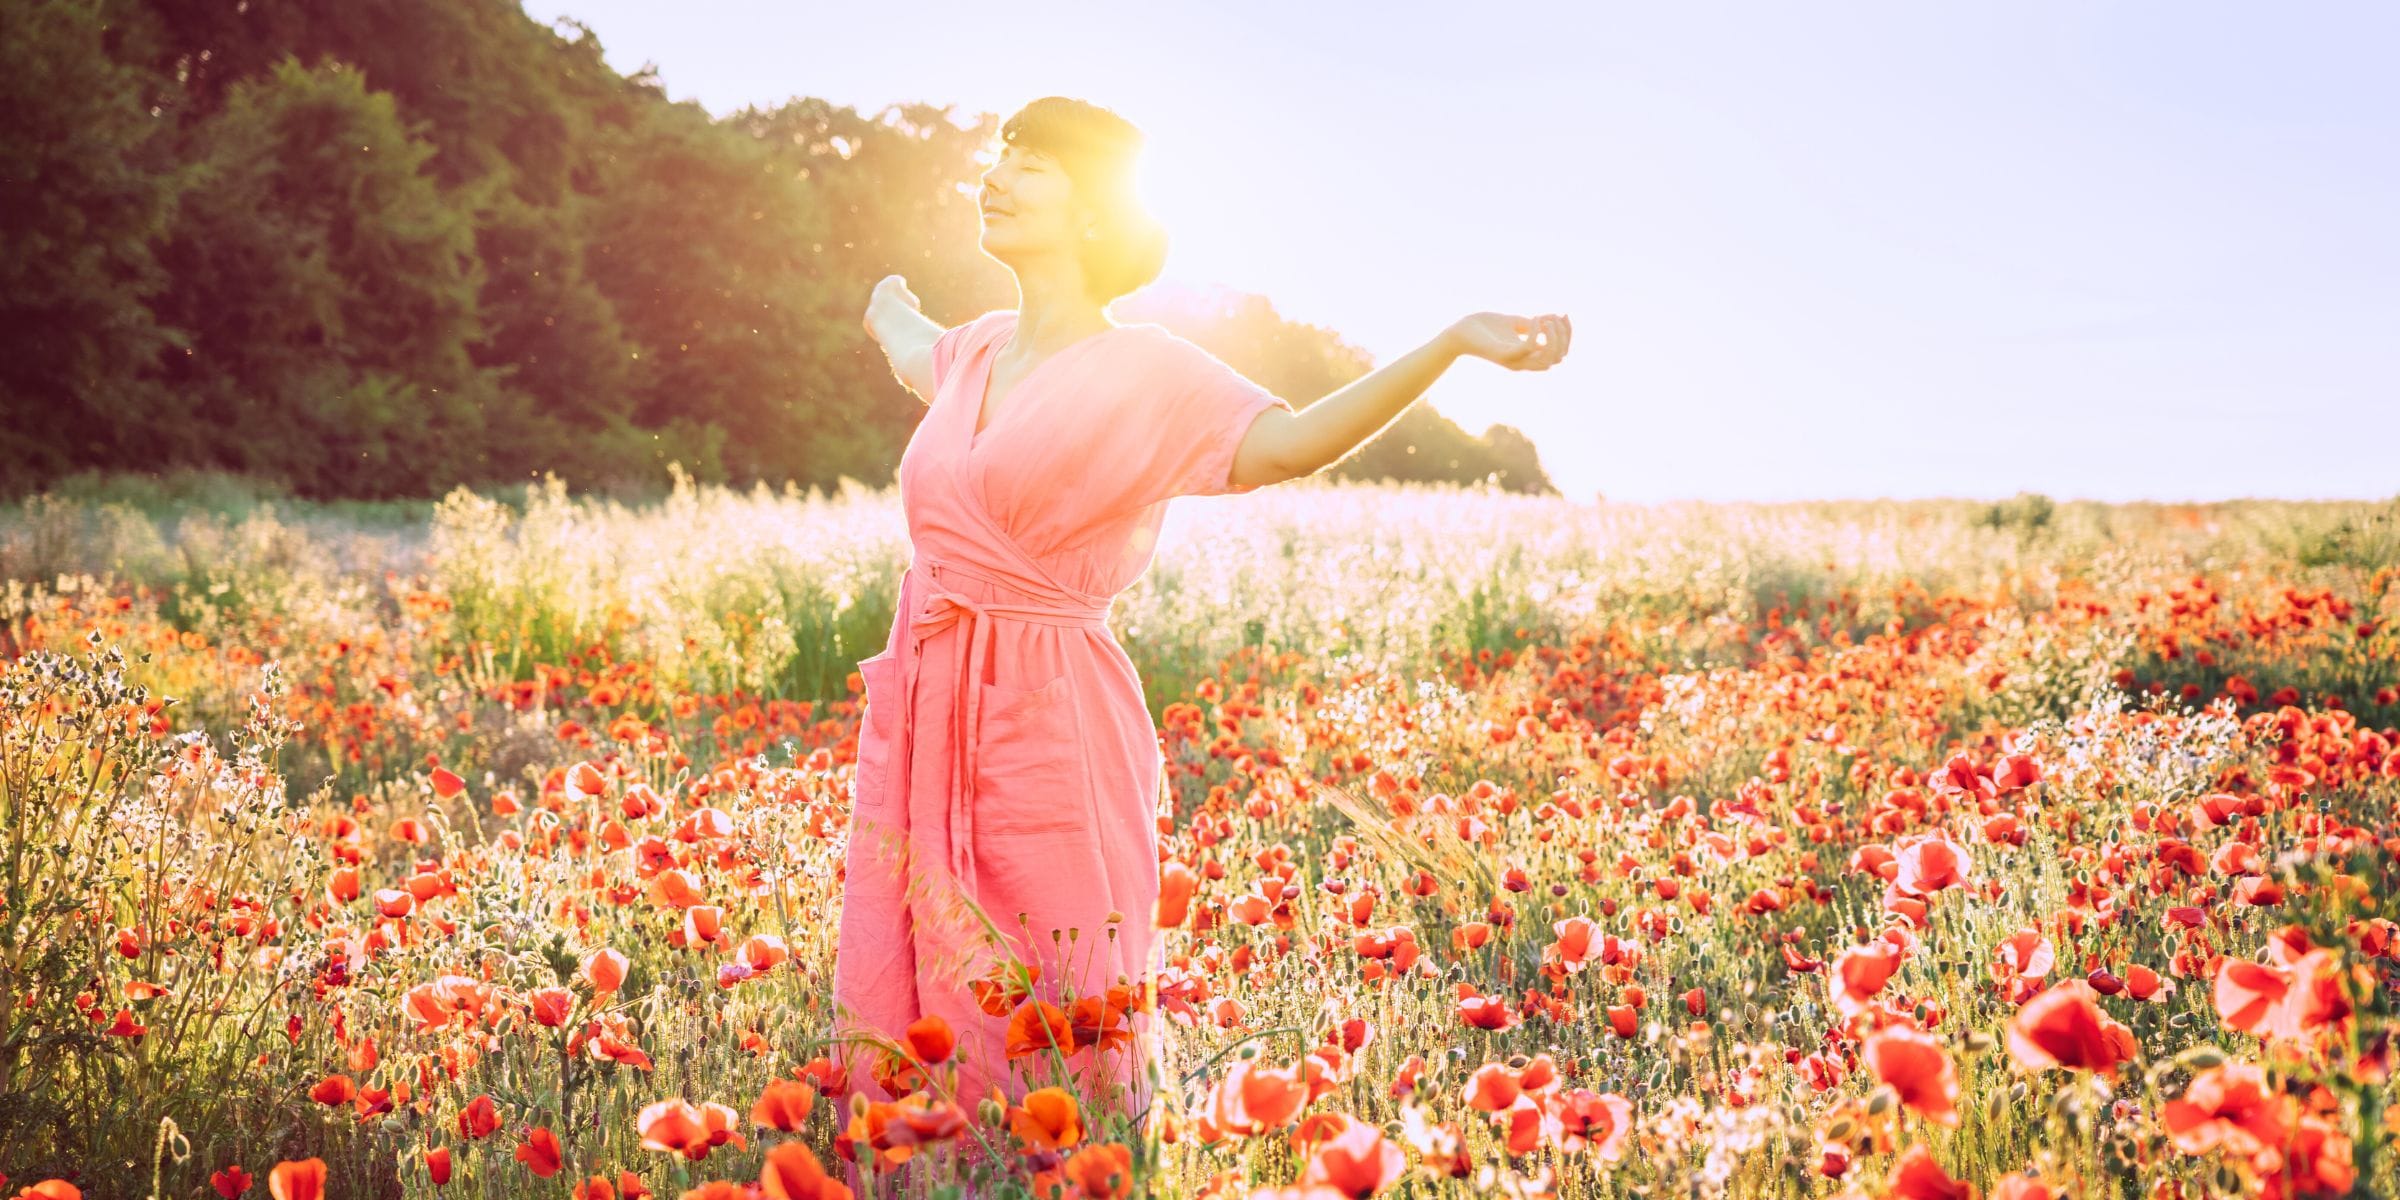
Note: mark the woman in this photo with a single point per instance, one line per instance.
(1008, 773)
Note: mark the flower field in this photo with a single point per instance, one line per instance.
(1931, 850)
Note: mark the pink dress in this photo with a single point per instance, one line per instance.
(1006, 753)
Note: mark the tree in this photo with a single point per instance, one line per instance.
(705, 251)
(327, 288)
(83, 191)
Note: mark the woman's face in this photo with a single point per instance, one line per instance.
(1028, 206)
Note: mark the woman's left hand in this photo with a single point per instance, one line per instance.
(1518, 343)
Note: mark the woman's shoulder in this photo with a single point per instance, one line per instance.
(1162, 348)
(1156, 335)
(953, 342)
(1178, 363)
(983, 323)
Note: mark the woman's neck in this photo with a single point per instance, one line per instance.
(1049, 320)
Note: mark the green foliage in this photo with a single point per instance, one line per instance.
(2367, 541)
(328, 291)
(2027, 513)
(721, 310)
(104, 825)
(83, 199)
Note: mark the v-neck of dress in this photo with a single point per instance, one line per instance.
(991, 352)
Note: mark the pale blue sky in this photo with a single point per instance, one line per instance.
(2094, 249)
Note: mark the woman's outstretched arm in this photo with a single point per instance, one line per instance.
(906, 334)
(1286, 445)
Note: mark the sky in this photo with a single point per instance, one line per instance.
(2094, 249)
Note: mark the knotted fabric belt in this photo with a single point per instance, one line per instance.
(940, 609)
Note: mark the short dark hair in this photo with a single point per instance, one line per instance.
(1098, 150)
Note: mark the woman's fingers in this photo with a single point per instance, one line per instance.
(1554, 341)
(1528, 354)
(1525, 343)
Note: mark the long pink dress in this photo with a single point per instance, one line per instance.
(1007, 753)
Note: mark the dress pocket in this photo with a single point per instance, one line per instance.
(1030, 775)
(877, 732)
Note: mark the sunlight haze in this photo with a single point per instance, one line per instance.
(2098, 250)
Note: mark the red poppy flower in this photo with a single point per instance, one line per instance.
(679, 1126)
(2229, 1106)
(2064, 1027)
(551, 1004)
(605, 970)
(302, 1180)
(783, 1105)
(478, 1119)
(1915, 1065)
(1491, 1088)
(1049, 1119)
(1595, 1121)
(1915, 1176)
(1037, 1027)
(1253, 1099)
(1930, 863)
(2250, 996)
(540, 1152)
(792, 1172)
(1358, 1161)
(1176, 883)
(1103, 1172)
(1859, 973)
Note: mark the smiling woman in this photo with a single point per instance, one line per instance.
(1002, 872)
(1066, 176)
(1009, 774)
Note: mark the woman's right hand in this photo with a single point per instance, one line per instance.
(891, 296)
(899, 325)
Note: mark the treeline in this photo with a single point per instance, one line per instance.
(379, 248)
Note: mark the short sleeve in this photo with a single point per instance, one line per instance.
(945, 351)
(1211, 407)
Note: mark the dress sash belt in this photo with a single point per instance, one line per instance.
(943, 608)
